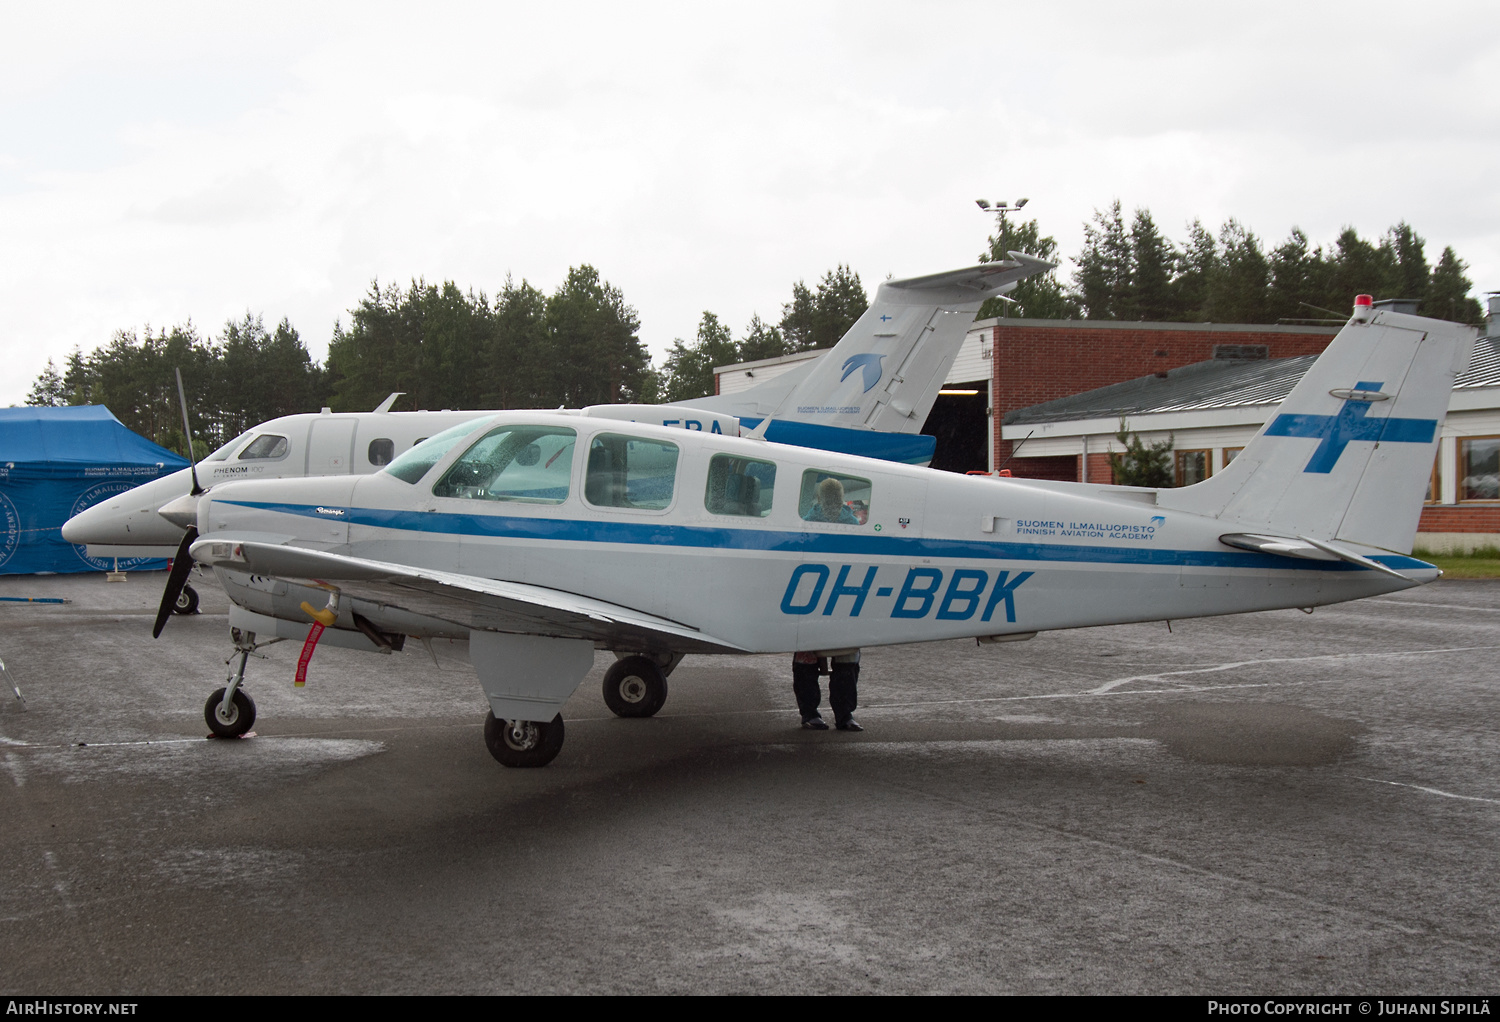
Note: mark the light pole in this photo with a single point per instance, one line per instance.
(1000, 209)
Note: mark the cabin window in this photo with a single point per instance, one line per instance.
(1479, 468)
(1193, 467)
(265, 447)
(417, 462)
(739, 486)
(630, 472)
(381, 451)
(830, 497)
(525, 464)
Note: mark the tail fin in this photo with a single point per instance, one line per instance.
(1349, 453)
(885, 373)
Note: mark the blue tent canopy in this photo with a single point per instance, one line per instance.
(54, 462)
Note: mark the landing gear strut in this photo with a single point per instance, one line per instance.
(187, 601)
(523, 743)
(229, 711)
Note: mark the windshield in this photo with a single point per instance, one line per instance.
(222, 454)
(415, 463)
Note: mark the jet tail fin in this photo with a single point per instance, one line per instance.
(1348, 455)
(886, 371)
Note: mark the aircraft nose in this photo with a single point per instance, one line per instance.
(182, 512)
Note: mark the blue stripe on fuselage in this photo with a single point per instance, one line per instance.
(573, 530)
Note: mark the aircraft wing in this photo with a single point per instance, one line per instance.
(466, 600)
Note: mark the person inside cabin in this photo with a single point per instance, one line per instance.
(829, 505)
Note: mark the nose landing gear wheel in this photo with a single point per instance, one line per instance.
(187, 601)
(237, 720)
(523, 743)
(634, 687)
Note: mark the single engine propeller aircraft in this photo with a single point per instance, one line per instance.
(869, 395)
(541, 537)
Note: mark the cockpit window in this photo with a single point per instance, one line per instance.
(528, 464)
(264, 448)
(411, 466)
(223, 453)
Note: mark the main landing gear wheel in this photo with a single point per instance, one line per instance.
(523, 743)
(237, 720)
(187, 601)
(634, 687)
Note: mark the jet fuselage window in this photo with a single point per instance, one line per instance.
(739, 486)
(381, 451)
(528, 464)
(265, 447)
(417, 462)
(830, 497)
(626, 471)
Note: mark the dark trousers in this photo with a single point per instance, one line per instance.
(843, 689)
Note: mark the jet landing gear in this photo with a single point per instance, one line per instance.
(523, 743)
(636, 686)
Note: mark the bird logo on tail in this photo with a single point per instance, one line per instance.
(870, 363)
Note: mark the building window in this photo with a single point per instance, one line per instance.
(381, 451)
(1230, 453)
(840, 499)
(1435, 481)
(1193, 467)
(1479, 468)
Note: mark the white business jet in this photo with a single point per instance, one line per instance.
(542, 537)
(868, 395)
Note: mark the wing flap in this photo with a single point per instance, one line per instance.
(466, 600)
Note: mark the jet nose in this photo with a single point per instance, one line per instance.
(182, 512)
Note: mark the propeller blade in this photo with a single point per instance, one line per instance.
(187, 431)
(181, 565)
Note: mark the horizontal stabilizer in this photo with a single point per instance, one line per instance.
(465, 600)
(1307, 549)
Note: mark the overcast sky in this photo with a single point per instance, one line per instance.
(167, 162)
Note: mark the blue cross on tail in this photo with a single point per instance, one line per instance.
(1335, 431)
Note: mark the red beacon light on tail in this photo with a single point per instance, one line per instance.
(1364, 306)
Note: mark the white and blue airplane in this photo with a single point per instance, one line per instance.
(539, 538)
(869, 395)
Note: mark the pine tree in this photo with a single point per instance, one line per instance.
(1297, 280)
(689, 368)
(1196, 268)
(1038, 297)
(1237, 290)
(1153, 263)
(1448, 292)
(48, 390)
(1142, 464)
(762, 340)
(1101, 284)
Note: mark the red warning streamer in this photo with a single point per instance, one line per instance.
(313, 634)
